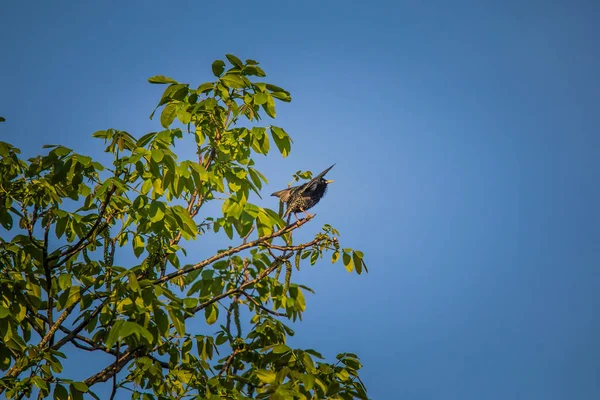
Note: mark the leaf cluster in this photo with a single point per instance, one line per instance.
(94, 256)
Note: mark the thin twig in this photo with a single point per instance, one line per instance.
(248, 235)
(114, 383)
(229, 361)
(294, 248)
(257, 304)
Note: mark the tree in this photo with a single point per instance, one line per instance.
(72, 224)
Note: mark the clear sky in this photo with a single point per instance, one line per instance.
(466, 137)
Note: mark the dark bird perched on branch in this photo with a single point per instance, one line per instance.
(301, 198)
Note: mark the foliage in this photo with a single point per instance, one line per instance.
(93, 261)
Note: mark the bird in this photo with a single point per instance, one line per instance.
(303, 197)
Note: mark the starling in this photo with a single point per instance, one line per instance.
(301, 198)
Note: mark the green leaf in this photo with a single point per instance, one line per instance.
(157, 211)
(205, 87)
(102, 135)
(280, 349)
(177, 320)
(231, 208)
(157, 155)
(360, 256)
(260, 98)
(211, 313)
(348, 263)
(81, 386)
(343, 375)
(184, 116)
(64, 281)
(234, 60)
(357, 262)
(61, 226)
(69, 297)
(233, 81)
(60, 392)
(114, 334)
(6, 220)
(144, 140)
(75, 394)
(4, 312)
(218, 67)
(130, 328)
(335, 257)
(2, 119)
(269, 107)
(282, 140)
(282, 96)
(274, 88)
(161, 79)
(168, 115)
(162, 321)
(133, 282)
(138, 245)
(146, 187)
(265, 376)
(300, 300)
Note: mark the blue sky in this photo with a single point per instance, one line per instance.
(466, 137)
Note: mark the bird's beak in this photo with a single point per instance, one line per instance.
(329, 181)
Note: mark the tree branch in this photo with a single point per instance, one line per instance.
(74, 336)
(80, 327)
(81, 243)
(293, 248)
(240, 288)
(29, 224)
(129, 355)
(229, 361)
(48, 273)
(190, 207)
(112, 369)
(15, 370)
(234, 250)
(257, 304)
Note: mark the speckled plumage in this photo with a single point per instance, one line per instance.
(303, 197)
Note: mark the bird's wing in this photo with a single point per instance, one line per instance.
(284, 194)
(313, 183)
